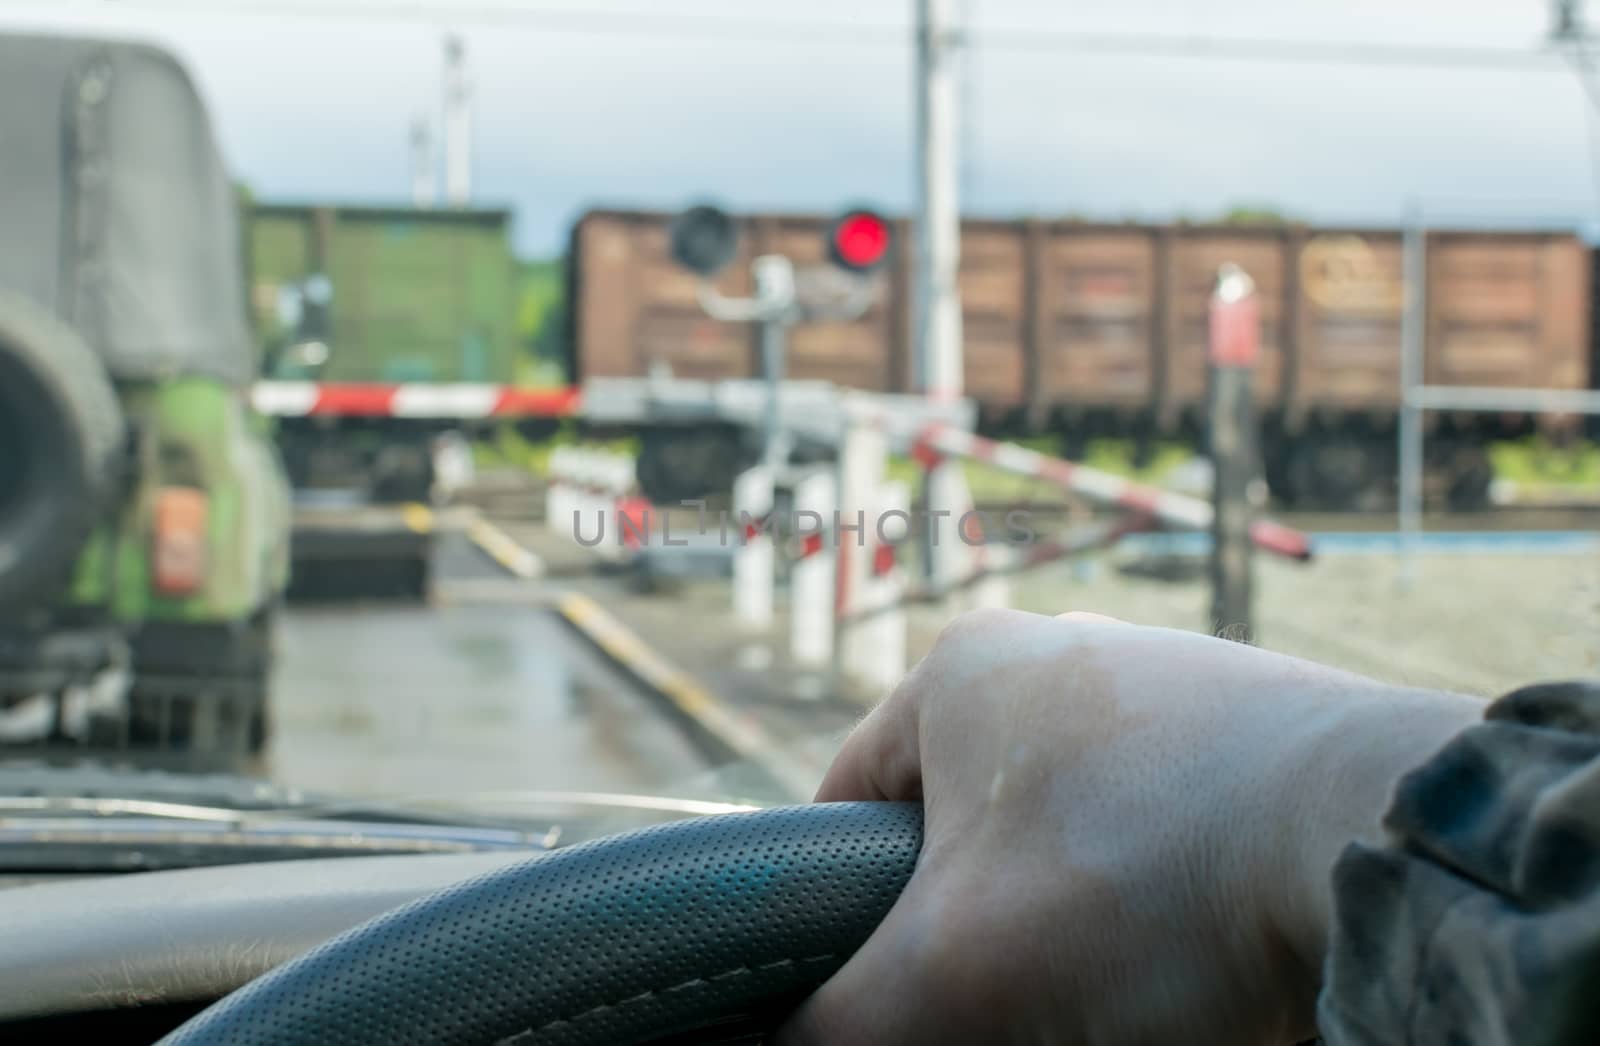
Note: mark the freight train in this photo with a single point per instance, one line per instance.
(1088, 330)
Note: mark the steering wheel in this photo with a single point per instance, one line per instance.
(714, 926)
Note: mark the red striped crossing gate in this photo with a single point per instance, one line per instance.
(1166, 507)
(301, 399)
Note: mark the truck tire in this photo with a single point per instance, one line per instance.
(61, 434)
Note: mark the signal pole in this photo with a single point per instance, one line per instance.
(1568, 20)
(939, 366)
(421, 163)
(457, 125)
(938, 320)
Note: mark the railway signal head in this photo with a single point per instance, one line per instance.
(859, 240)
(704, 240)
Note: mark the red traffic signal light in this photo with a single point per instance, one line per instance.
(859, 241)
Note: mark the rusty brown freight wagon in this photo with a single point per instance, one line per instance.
(1086, 330)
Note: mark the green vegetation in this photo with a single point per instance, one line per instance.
(1254, 214)
(541, 322)
(510, 449)
(1537, 462)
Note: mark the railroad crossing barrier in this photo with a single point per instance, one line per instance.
(1164, 507)
(862, 428)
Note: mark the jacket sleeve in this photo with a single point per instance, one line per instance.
(1478, 922)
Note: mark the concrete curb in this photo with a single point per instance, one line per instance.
(731, 733)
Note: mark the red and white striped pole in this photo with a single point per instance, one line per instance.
(754, 560)
(863, 455)
(559, 493)
(811, 579)
(616, 479)
(880, 659)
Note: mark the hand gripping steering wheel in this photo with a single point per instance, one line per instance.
(712, 927)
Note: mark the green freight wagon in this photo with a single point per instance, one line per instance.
(363, 313)
(389, 294)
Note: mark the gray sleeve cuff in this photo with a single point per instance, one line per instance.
(1479, 921)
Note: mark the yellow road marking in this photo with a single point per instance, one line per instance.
(418, 517)
(739, 733)
(505, 550)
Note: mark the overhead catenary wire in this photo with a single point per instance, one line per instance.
(675, 26)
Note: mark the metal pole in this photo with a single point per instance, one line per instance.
(457, 125)
(772, 354)
(422, 164)
(938, 327)
(939, 365)
(775, 292)
(1234, 350)
(1413, 338)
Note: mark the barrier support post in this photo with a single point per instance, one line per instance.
(1234, 349)
(811, 579)
(881, 656)
(754, 561)
(863, 455)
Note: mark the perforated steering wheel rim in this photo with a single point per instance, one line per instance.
(627, 939)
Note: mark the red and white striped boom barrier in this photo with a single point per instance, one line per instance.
(304, 399)
(1166, 507)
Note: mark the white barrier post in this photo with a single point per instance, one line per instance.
(582, 492)
(617, 480)
(811, 580)
(882, 653)
(863, 454)
(753, 562)
(558, 500)
(453, 467)
(597, 505)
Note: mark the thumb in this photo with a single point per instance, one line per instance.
(881, 759)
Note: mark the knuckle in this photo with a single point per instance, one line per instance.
(1086, 617)
(975, 624)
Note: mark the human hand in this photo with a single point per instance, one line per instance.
(1128, 835)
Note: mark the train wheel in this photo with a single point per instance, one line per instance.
(1336, 473)
(1471, 479)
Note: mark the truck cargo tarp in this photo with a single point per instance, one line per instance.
(117, 213)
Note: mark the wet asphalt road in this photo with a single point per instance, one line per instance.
(441, 700)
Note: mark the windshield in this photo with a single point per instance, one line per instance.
(554, 417)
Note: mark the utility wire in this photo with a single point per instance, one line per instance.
(658, 25)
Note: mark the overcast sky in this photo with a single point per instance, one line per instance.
(313, 107)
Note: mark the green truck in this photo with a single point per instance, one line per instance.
(387, 333)
(144, 512)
